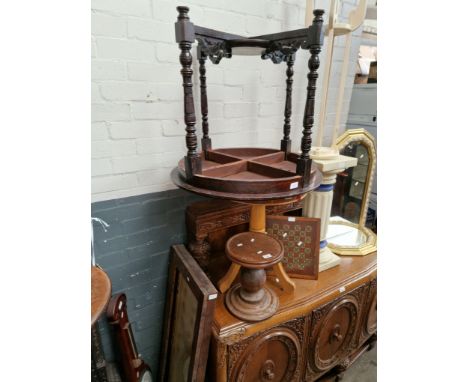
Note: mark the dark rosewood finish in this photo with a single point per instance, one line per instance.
(185, 38)
(248, 180)
(133, 365)
(286, 141)
(206, 140)
(247, 174)
(304, 162)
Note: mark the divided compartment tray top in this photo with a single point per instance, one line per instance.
(256, 175)
(247, 170)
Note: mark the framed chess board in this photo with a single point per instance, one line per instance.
(301, 240)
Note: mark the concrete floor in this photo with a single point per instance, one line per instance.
(365, 368)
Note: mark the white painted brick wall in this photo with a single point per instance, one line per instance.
(137, 111)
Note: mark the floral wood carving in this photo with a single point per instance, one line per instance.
(290, 333)
(280, 51)
(226, 221)
(216, 50)
(324, 324)
(200, 250)
(234, 337)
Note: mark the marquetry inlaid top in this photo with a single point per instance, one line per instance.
(254, 250)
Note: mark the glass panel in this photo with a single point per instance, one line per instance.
(184, 327)
(351, 184)
(345, 236)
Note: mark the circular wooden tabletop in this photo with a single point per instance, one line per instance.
(100, 292)
(254, 250)
(269, 198)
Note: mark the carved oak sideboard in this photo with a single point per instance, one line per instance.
(317, 333)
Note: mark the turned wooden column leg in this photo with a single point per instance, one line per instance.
(313, 43)
(257, 218)
(185, 36)
(206, 140)
(286, 141)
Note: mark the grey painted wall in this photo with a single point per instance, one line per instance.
(135, 252)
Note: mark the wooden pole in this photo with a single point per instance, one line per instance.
(257, 218)
(344, 74)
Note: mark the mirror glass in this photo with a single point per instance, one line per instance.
(345, 235)
(351, 184)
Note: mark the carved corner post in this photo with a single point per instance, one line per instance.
(313, 43)
(185, 36)
(206, 140)
(286, 141)
(200, 249)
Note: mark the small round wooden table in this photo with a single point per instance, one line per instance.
(251, 300)
(100, 295)
(100, 292)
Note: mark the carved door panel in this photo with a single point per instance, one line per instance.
(271, 356)
(333, 330)
(370, 319)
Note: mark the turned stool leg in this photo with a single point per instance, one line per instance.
(228, 278)
(283, 279)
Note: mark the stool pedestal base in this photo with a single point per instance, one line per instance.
(248, 311)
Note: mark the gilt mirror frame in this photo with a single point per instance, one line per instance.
(364, 138)
(367, 140)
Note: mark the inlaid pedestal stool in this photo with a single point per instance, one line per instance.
(251, 300)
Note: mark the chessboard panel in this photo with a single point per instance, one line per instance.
(301, 241)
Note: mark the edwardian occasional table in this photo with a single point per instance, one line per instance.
(256, 176)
